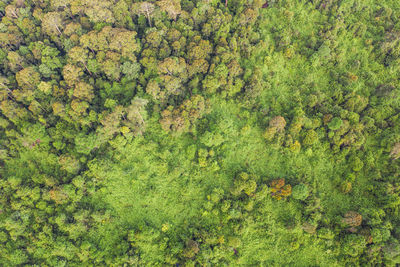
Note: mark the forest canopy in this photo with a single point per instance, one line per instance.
(199, 133)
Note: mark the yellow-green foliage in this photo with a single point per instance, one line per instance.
(199, 133)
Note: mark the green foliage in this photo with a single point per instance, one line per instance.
(353, 245)
(162, 133)
(300, 192)
(86, 143)
(335, 124)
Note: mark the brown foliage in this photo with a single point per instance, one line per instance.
(58, 195)
(279, 190)
(182, 119)
(352, 218)
(395, 153)
(278, 183)
(278, 123)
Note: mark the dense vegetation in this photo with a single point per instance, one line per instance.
(199, 132)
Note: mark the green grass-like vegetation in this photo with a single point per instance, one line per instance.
(199, 133)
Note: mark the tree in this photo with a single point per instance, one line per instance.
(300, 192)
(86, 143)
(145, 8)
(59, 3)
(52, 23)
(122, 14)
(395, 153)
(172, 7)
(130, 70)
(69, 164)
(172, 84)
(77, 55)
(58, 195)
(352, 219)
(309, 228)
(136, 115)
(125, 43)
(200, 50)
(279, 190)
(353, 245)
(111, 123)
(278, 123)
(154, 38)
(198, 66)
(173, 66)
(335, 124)
(310, 138)
(28, 78)
(244, 183)
(192, 248)
(249, 16)
(13, 111)
(98, 10)
(84, 91)
(12, 12)
(58, 108)
(5, 91)
(78, 108)
(112, 69)
(73, 28)
(15, 61)
(71, 74)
